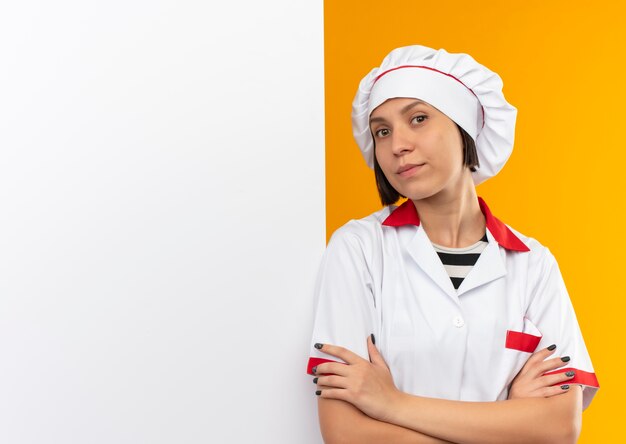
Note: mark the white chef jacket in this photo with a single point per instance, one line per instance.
(381, 275)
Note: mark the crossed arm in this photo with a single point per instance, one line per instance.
(359, 403)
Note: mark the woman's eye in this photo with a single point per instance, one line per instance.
(418, 119)
(383, 132)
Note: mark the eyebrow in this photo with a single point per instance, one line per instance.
(404, 110)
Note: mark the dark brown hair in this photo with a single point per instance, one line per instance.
(389, 195)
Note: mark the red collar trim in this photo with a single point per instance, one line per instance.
(406, 214)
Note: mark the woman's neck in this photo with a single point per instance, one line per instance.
(452, 219)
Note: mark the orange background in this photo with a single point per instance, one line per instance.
(563, 69)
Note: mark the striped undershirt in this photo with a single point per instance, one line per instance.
(459, 261)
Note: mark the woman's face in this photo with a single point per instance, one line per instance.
(418, 148)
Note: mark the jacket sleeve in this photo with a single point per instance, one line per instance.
(344, 297)
(552, 312)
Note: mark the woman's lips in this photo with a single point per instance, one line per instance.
(409, 170)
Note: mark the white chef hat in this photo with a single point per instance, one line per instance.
(455, 84)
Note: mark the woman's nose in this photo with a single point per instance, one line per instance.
(402, 141)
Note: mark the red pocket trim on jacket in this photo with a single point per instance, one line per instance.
(517, 340)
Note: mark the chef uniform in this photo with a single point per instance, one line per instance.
(382, 275)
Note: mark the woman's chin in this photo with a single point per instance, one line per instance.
(429, 190)
(419, 193)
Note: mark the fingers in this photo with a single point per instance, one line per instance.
(338, 380)
(546, 392)
(331, 387)
(538, 385)
(539, 356)
(334, 393)
(331, 381)
(375, 357)
(557, 378)
(339, 352)
(538, 363)
(552, 364)
(542, 376)
(330, 368)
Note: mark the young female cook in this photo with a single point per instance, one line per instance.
(456, 301)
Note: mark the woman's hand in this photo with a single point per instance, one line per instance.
(531, 382)
(368, 385)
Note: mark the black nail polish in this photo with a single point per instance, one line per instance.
(314, 369)
(373, 339)
(318, 392)
(552, 347)
(570, 374)
(565, 358)
(318, 345)
(565, 387)
(314, 380)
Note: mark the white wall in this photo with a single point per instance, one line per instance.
(161, 220)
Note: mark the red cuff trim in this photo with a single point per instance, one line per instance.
(314, 362)
(525, 342)
(581, 377)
